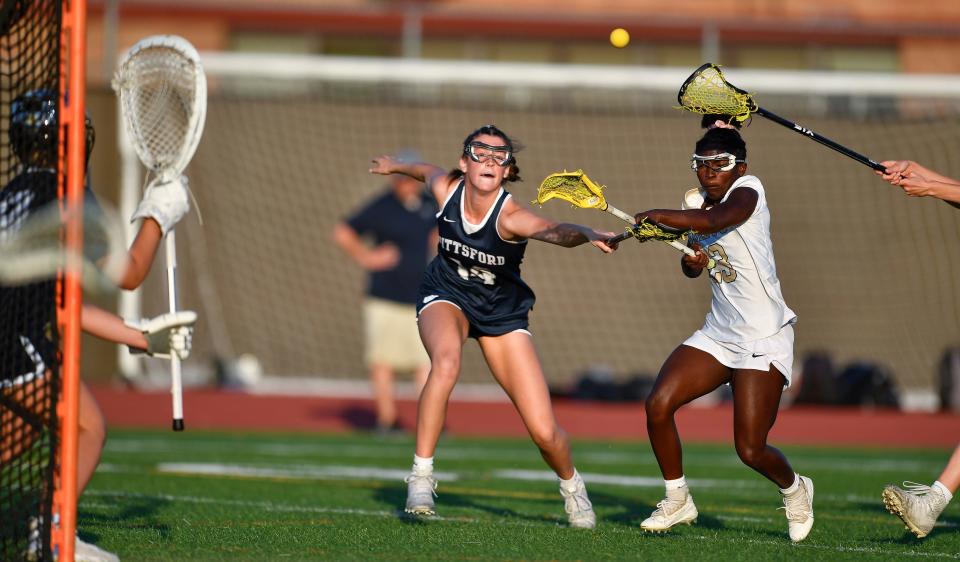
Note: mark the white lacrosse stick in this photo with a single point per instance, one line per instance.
(163, 100)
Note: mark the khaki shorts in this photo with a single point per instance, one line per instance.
(391, 335)
(776, 350)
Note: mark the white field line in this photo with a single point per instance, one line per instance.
(739, 488)
(384, 450)
(294, 472)
(389, 474)
(281, 507)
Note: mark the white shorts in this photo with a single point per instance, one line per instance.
(391, 335)
(776, 350)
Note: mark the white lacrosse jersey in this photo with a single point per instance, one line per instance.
(747, 302)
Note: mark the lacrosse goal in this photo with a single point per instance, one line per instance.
(41, 169)
(872, 274)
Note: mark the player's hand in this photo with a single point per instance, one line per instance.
(898, 170)
(908, 175)
(601, 239)
(164, 202)
(383, 165)
(168, 334)
(381, 258)
(649, 216)
(697, 261)
(893, 170)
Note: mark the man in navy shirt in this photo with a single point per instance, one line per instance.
(393, 237)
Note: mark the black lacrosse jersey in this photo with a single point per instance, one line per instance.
(27, 312)
(478, 271)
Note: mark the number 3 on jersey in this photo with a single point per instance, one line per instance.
(720, 273)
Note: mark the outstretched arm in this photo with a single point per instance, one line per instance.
(919, 181)
(735, 210)
(519, 222)
(436, 178)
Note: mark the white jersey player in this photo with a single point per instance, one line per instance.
(747, 339)
(747, 303)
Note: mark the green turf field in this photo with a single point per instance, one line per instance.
(230, 496)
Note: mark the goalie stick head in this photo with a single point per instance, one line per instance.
(163, 101)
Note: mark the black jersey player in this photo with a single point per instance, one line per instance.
(473, 289)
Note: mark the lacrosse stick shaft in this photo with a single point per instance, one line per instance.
(820, 139)
(176, 385)
(679, 246)
(619, 238)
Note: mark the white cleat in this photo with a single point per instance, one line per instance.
(799, 507)
(86, 552)
(917, 505)
(577, 505)
(421, 489)
(671, 512)
(82, 551)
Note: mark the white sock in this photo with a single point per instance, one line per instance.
(793, 487)
(422, 465)
(675, 484)
(943, 490)
(571, 484)
(676, 488)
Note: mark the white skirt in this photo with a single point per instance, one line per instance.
(776, 350)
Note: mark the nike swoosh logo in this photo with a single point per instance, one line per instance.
(430, 298)
(759, 354)
(448, 220)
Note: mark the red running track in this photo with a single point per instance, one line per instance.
(225, 410)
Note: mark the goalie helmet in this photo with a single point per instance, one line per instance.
(34, 128)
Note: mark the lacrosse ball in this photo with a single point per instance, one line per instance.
(619, 38)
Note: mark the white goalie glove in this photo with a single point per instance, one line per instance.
(164, 202)
(168, 333)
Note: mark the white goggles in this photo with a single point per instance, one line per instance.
(723, 162)
(480, 152)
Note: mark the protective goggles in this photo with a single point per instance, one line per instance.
(480, 152)
(723, 162)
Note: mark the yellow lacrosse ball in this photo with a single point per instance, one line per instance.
(619, 38)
